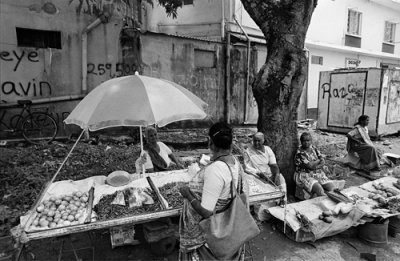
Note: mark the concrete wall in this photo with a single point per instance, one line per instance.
(55, 74)
(173, 58)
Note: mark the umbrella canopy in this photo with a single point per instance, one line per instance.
(136, 101)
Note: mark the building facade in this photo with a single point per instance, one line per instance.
(342, 34)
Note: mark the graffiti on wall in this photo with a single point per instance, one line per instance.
(22, 88)
(111, 70)
(352, 94)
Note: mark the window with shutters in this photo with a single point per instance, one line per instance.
(390, 30)
(354, 22)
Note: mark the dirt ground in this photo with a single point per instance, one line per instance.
(25, 168)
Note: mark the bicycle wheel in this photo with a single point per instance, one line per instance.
(39, 127)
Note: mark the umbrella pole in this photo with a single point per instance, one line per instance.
(141, 148)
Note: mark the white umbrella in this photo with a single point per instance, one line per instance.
(136, 101)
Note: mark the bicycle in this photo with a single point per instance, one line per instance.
(36, 127)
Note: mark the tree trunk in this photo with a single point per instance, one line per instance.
(279, 83)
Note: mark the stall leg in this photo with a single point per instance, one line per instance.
(60, 253)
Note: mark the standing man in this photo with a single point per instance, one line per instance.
(260, 161)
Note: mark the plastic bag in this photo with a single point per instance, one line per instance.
(119, 199)
(135, 198)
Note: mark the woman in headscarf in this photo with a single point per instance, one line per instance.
(156, 155)
(209, 189)
(359, 143)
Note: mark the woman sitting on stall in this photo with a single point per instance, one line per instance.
(310, 171)
(209, 189)
(362, 153)
(156, 155)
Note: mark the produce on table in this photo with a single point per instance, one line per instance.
(356, 197)
(393, 205)
(61, 211)
(385, 191)
(340, 208)
(170, 192)
(377, 197)
(105, 210)
(337, 196)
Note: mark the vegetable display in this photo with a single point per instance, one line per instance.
(106, 209)
(170, 192)
(61, 211)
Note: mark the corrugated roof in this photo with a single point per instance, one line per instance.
(252, 39)
(189, 37)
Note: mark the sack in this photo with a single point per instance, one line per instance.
(227, 231)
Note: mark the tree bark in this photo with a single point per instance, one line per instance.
(278, 85)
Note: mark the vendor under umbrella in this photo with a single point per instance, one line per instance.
(156, 156)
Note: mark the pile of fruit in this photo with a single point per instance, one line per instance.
(61, 211)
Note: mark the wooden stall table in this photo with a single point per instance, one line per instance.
(260, 191)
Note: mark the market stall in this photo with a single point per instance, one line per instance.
(66, 193)
(320, 217)
(67, 207)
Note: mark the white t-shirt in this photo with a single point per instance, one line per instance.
(217, 183)
(165, 151)
(256, 161)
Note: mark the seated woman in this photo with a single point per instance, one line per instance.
(310, 174)
(362, 153)
(209, 189)
(156, 155)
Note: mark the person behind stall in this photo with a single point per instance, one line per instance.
(260, 161)
(156, 155)
(311, 171)
(360, 144)
(209, 189)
